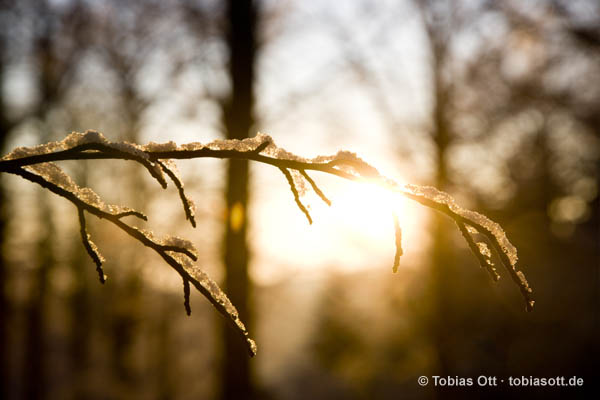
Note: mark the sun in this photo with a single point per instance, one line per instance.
(355, 233)
(368, 209)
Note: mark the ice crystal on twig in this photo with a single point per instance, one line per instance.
(213, 292)
(480, 250)
(506, 251)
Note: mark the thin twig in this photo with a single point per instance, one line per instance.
(315, 187)
(290, 180)
(132, 212)
(90, 247)
(398, 236)
(484, 261)
(186, 297)
(188, 206)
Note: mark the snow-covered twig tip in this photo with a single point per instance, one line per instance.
(480, 250)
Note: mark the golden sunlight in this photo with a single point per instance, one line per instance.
(367, 210)
(356, 232)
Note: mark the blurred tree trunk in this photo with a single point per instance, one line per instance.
(126, 321)
(35, 374)
(4, 303)
(164, 360)
(441, 266)
(238, 120)
(441, 273)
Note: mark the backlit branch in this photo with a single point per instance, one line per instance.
(480, 250)
(294, 190)
(170, 169)
(36, 165)
(176, 252)
(315, 187)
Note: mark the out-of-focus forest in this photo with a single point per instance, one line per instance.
(495, 102)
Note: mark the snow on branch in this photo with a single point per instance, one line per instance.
(36, 164)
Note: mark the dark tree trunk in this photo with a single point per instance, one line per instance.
(441, 272)
(238, 120)
(4, 303)
(35, 374)
(80, 312)
(4, 311)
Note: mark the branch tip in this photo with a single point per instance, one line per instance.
(262, 146)
(301, 206)
(399, 251)
(186, 297)
(315, 187)
(90, 247)
(188, 204)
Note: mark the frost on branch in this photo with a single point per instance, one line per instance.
(177, 252)
(482, 224)
(204, 284)
(36, 164)
(480, 249)
(53, 174)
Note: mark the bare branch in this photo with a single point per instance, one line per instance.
(186, 296)
(315, 187)
(188, 204)
(90, 247)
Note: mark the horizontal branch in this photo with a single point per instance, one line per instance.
(36, 164)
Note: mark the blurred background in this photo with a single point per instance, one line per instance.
(496, 102)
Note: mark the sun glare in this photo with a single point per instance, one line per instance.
(356, 232)
(368, 209)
